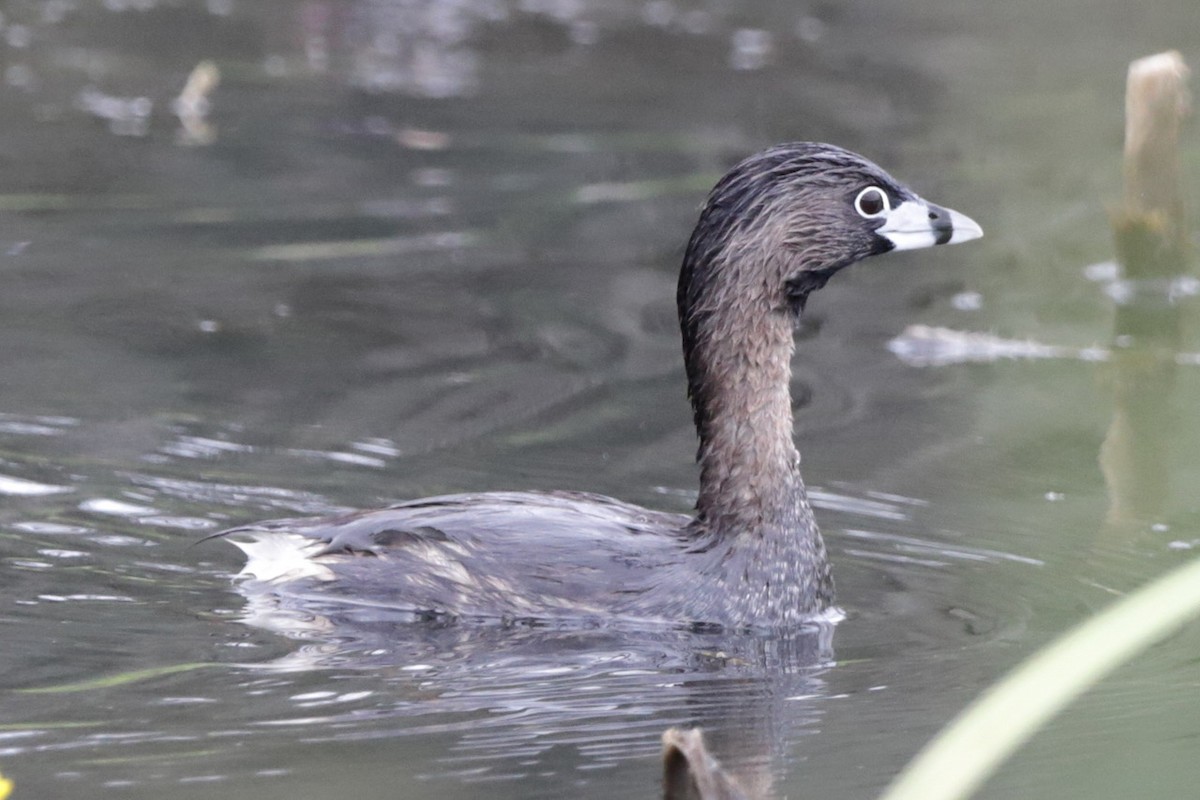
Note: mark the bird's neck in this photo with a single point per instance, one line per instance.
(737, 315)
(739, 372)
(753, 510)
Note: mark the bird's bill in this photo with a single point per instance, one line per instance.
(915, 223)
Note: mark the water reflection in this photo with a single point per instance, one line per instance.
(521, 691)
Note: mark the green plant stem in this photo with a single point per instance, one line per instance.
(966, 752)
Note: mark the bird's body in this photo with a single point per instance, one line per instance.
(502, 554)
(773, 230)
(533, 556)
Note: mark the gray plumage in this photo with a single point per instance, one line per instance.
(772, 231)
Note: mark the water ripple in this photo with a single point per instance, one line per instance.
(20, 487)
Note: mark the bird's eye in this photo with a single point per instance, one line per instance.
(872, 202)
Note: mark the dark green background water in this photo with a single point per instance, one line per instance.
(432, 247)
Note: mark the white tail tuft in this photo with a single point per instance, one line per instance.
(280, 556)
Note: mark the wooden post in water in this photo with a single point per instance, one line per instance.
(1156, 102)
(690, 772)
(1151, 237)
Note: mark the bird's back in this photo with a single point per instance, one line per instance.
(538, 555)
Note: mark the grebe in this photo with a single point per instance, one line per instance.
(773, 230)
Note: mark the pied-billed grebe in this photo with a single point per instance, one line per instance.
(774, 229)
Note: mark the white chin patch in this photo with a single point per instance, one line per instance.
(907, 226)
(914, 224)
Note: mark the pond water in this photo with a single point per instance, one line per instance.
(413, 247)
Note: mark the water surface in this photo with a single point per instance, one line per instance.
(411, 248)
